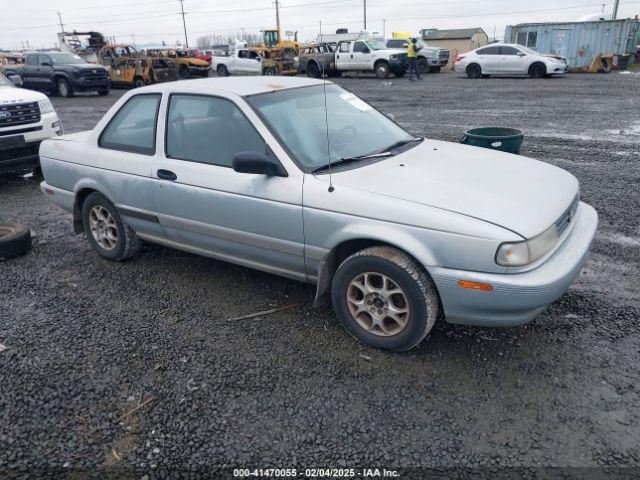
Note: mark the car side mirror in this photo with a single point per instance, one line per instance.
(366, 50)
(46, 64)
(522, 54)
(257, 163)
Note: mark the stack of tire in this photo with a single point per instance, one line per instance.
(15, 240)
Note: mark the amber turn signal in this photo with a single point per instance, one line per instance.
(485, 287)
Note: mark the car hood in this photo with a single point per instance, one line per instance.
(520, 194)
(10, 95)
(83, 66)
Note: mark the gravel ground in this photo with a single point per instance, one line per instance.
(89, 341)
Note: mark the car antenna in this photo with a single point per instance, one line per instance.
(326, 115)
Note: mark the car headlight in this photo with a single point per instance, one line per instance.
(524, 253)
(45, 106)
(393, 57)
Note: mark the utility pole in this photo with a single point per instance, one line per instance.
(384, 28)
(133, 39)
(615, 9)
(365, 14)
(277, 14)
(61, 24)
(184, 23)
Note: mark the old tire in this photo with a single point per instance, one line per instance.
(382, 70)
(63, 88)
(222, 71)
(393, 286)
(108, 234)
(474, 71)
(313, 70)
(537, 70)
(15, 240)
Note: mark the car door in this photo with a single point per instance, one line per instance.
(205, 206)
(29, 76)
(343, 56)
(361, 56)
(512, 60)
(489, 59)
(255, 65)
(243, 62)
(44, 74)
(126, 146)
(117, 71)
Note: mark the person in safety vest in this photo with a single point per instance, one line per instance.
(412, 55)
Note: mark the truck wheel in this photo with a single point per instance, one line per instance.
(269, 71)
(474, 71)
(107, 233)
(313, 70)
(423, 66)
(222, 70)
(63, 88)
(382, 70)
(15, 240)
(384, 298)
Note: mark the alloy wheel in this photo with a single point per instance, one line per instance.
(378, 304)
(103, 227)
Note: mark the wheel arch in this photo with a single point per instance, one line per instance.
(538, 62)
(347, 247)
(82, 191)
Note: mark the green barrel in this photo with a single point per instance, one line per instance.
(496, 138)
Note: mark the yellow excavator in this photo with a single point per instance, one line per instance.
(278, 55)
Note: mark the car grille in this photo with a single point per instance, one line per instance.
(99, 74)
(29, 150)
(19, 114)
(568, 216)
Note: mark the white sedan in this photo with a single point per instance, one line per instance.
(509, 59)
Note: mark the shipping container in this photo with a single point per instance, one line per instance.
(578, 42)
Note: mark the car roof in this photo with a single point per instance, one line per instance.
(242, 86)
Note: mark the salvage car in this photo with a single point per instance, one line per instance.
(141, 71)
(26, 118)
(393, 228)
(509, 59)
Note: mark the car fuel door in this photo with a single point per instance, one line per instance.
(207, 207)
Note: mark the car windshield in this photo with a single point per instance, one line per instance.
(297, 117)
(5, 82)
(65, 58)
(376, 45)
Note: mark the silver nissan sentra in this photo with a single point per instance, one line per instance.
(392, 228)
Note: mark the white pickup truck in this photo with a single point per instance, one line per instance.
(371, 56)
(243, 61)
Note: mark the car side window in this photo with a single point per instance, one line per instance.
(32, 59)
(509, 51)
(133, 127)
(360, 47)
(489, 51)
(344, 48)
(208, 130)
(45, 59)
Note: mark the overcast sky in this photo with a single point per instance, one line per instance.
(156, 20)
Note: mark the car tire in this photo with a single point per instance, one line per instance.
(537, 70)
(63, 88)
(222, 71)
(396, 280)
(269, 72)
(313, 70)
(15, 240)
(474, 71)
(108, 234)
(382, 70)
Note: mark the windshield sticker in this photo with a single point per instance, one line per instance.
(354, 101)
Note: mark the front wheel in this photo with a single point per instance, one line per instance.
(383, 70)
(313, 70)
(384, 298)
(270, 72)
(222, 70)
(63, 88)
(108, 234)
(537, 70)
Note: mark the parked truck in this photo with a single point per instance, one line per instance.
(370, 56)
(317, 58)
(243, 61)
(61, 73)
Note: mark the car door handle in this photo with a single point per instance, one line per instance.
(166, 175)
(352, 56)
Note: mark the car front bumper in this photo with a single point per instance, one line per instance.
(517, 298)
(26, 155)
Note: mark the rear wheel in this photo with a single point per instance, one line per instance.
(384, 298)
(313, 70)
(63, 88)
(382, 70)
(537, 70)
(474, 71)
(222, 70)
(107, 233)
(270, 72)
